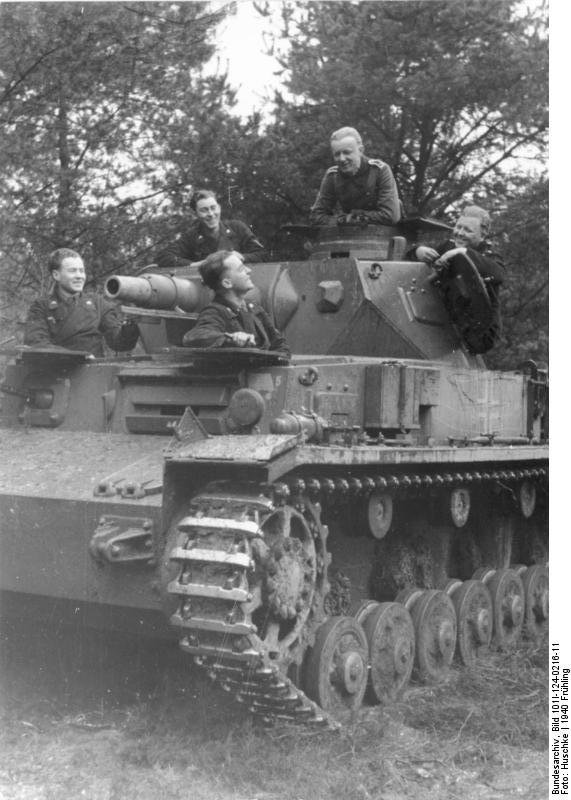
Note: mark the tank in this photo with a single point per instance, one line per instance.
(314, 532)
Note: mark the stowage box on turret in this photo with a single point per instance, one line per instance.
(312, 531)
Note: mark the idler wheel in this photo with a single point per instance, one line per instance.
(508, 602)
(390, 634)
(474, 615)
(434, 621)
(336, 669)
(536, 589)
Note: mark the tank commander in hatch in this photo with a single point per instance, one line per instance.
(469, 238)
(229, 320)
(209, 233)
(69, 318)
(364, 189)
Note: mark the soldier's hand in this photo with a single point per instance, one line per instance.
(445, 259)
(129, 324)
(242, 339)
(427, 254)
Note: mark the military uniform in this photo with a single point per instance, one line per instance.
(222, 317)
(78, 322)
(490, 266)
(197, 242)
(371, 193)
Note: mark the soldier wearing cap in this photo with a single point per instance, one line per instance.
(230, 320)
(209, 233)
(362, 188)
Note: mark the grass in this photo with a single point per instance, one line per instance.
(141, 724)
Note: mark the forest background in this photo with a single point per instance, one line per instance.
(111, 116)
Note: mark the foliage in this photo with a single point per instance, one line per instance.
(523, 230)
(452, 95)
(446, 93)
(100, 104)
(109, 120)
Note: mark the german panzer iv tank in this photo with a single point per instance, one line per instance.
(312, 531)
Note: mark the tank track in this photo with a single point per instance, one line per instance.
(215, 553)
(219, 544)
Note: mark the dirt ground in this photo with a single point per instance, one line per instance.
(102, 717)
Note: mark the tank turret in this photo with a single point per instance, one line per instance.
(343, 300)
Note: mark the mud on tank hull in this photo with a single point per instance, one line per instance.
(313, 532)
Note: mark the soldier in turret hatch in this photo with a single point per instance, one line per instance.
(209, 233)
(357, 188)
(229, 320)
(67, 317)
(469, 238)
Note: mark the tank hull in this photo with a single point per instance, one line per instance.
(309, 531)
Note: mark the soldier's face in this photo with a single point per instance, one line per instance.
(208, 212)
(467, 232)
(347, 154)
(70, 277)
(237, 275)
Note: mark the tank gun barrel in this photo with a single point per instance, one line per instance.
(155, 291)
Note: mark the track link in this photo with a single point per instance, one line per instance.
(220, 544)
(223, 584)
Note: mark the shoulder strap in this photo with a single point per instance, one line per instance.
(376, 162)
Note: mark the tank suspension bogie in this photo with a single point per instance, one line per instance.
(508, 604)
(535, 581)
(473, 607)
(434, 621)
(254, 588)
(336, 668)
(390, 634)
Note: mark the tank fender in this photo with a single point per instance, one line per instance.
(274, 453)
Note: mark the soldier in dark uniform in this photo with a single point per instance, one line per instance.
(364, 189)
(229, 320)
(469, 238)
(66, 317)
(208, 234)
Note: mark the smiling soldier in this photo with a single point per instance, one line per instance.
(208, 234)
(469, 239)
(364, 189)
(68, 317)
